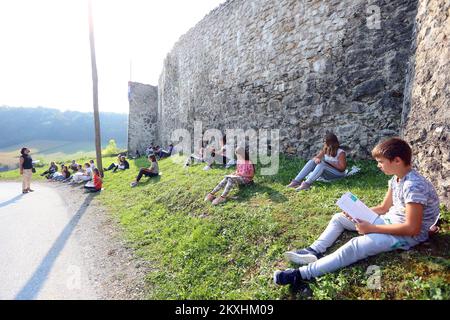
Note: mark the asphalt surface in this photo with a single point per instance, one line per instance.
(40, 257)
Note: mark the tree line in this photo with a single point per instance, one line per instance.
(19, 124)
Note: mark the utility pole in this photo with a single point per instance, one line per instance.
(98, 145)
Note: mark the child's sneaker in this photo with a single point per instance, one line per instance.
(288, 276)
(209, 197)
(303, 256)
(219, 200)
(230, 163)
(206, 168)
(434, 230)
(293, 184)
(304, 186)
(133, 184)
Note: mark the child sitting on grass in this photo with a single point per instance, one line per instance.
(330, 163)
(245, 171)
(82, 176)
(121, 164)
(51, 170)
(410, 207)
(96, 184)
(205, 154)
(152, 171)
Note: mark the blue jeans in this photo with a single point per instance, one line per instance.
(322, 169)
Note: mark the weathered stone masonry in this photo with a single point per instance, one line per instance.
(426, 115)
(142, 118)
(305, 67)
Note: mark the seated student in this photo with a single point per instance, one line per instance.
(245, 171)
(164, 153)
(95, 185)
(150, 149)
(79, 169)
(122, 164)
(330, 163)
(152, 171)
(51, 170)
(74, 166)
(410, 207)
(92, 165)
(83, 176)
(63, 175)
(169, 151)
(157, 150)
(195, 157)
(226, 153)
(205, 154)
(67, 174)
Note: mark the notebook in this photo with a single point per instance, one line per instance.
(356, 208)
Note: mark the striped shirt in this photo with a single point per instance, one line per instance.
(413, 188)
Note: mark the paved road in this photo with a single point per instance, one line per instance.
(40, 257)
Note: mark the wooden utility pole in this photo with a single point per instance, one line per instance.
(98, 143)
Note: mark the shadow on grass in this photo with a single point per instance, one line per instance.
(148, 181)
(246, 192)
(140, 162)
(437, 245)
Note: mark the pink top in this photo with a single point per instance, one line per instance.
(245, 170)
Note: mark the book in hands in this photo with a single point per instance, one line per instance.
(356, 209)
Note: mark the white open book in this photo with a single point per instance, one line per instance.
(356, 208)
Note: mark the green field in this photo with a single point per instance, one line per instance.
(198, 251)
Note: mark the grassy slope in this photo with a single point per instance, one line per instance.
(230, 251)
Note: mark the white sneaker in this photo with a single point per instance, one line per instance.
(230, 163)
(206, 168)
(303, 256)
(133, 184)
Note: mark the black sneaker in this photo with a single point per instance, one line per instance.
(303, 256)
(288, 276)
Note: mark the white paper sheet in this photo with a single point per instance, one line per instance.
(356, 208)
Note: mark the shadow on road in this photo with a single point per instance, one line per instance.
(10, 201)
(37, 280)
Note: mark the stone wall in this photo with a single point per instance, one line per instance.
(304, 67)
(426, 115)
(143, 116)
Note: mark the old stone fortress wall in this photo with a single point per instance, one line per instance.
(363, 69)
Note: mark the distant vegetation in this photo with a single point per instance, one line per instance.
(18, 125)
(53, 135)
(111, 149)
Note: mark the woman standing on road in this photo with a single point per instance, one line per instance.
(26, 169)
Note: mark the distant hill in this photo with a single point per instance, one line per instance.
(18, 125)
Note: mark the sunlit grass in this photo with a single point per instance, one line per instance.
(198, 251)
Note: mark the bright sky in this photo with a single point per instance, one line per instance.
(45, 54)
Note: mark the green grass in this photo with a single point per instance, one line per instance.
(198, 251)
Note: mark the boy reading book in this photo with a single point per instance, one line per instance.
(410, 207)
